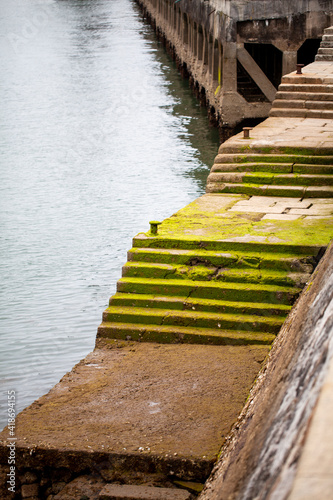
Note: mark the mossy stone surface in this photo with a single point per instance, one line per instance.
(196, 304)
(200, 224)
(215, 275)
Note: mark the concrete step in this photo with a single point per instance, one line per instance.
(192, 319)
(141, 492)
(302, 78)
(325, 105)
(144, 241)
(289, 103)
(303, 96)
(170, 272)
(301, 104)
(287, 112)
(274, 149)
(172, 334)
(312, 169)
(280, 168)
(325, 50)
(327, 43)
(303, 87)
(244, 292)
(183, 303)
(262, 260)
(273, 159)
(271, 190)
(301, 113)
(252, 167)
(272, 178)
(322, 57)
(328, 30)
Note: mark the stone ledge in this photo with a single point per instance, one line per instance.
(133, 492)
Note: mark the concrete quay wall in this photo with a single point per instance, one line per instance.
(281, 446)
(236, 52)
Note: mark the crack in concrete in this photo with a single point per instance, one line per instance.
(194, 289)
(215, 273)
(169, 273)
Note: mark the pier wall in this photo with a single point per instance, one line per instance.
(235, 53)
(281, 446)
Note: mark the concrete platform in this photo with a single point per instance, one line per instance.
(138, 407)
(252, 219)
(128, 492)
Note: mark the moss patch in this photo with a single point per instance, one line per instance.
(231, 226)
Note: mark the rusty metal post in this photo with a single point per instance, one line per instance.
(299, 69)
(154, 226)
(246, 131)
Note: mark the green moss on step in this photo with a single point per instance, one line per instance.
(201, 305)
(272, 294)
(171, 335)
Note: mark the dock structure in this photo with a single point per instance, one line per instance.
(235, 53)
(202, 298)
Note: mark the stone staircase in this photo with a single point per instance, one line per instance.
(325, 52)
(303, 97)
(280, 172)
(307, 95)
(191, 291)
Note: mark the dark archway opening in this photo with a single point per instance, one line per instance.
(268, 58)
(307, 52)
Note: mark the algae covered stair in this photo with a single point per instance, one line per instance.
(273, 171)
(219, 271)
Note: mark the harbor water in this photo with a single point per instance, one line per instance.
(99, 135)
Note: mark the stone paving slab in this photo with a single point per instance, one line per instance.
(285, 207)
(220, 217)
(285, 132)
(142, 406)
(321, 69)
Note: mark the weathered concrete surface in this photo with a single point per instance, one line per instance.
(262, 455)
(285, 132)
(314, 478)
(236, 219)
(137, 407)
(126, 492)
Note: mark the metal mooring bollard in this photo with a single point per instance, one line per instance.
(299, 69)
(246, 131)
(154, 226)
